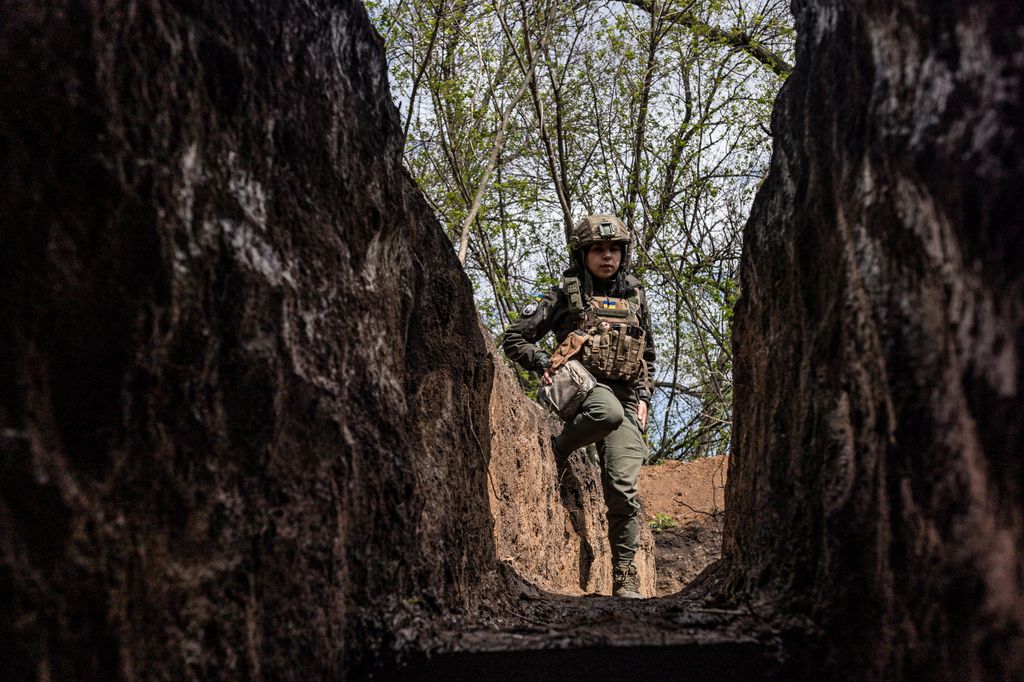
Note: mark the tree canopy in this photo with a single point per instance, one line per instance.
(522, 116)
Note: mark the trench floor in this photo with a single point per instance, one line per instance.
(550, 637)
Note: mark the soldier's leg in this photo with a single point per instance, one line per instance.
(622, 454)
(600, 414)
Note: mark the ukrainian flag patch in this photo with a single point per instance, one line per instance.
(532, 306)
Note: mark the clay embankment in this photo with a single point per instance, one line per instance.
(242, 387)
(876, 483)
(686, 502)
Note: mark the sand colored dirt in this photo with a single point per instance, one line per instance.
(685, 490)
(693, 494)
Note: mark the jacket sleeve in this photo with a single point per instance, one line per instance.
(535, 320)
(645, 388)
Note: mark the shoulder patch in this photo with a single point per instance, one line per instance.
(530, 309)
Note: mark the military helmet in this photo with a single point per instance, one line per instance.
(598, 228)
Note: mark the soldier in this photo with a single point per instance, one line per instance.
(604, 308)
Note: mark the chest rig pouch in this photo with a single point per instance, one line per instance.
(609, 340)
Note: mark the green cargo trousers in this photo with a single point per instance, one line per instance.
(608, 417)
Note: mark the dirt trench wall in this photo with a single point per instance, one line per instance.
(549, 517)
(242, 385)
(876, 484)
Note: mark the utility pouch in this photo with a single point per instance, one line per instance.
(616, 352)
(570, 385)
(568, 348)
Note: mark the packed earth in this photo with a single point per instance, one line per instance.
(685, 507)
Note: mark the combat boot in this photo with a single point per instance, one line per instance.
(625, 583)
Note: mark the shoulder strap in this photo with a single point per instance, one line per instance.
(574, 291)
(634, 291)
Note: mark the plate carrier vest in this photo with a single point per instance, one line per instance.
(609, 339)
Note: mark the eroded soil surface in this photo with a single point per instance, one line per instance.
(685, 501)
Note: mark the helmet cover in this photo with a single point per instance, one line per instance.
(598, 228)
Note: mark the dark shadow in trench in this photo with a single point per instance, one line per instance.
(570, 490)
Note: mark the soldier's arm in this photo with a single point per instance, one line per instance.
(646, 386)
(535, 320)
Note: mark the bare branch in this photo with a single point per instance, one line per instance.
(500, 137)
(438, 13)
(731, 37)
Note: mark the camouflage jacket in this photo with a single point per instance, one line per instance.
(553, 314)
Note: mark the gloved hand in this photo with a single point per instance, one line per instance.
(543, 366)
(542, 363)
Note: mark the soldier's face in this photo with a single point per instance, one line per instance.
(603, 260)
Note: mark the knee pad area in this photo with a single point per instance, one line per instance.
(620, 505)
(607, 411)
